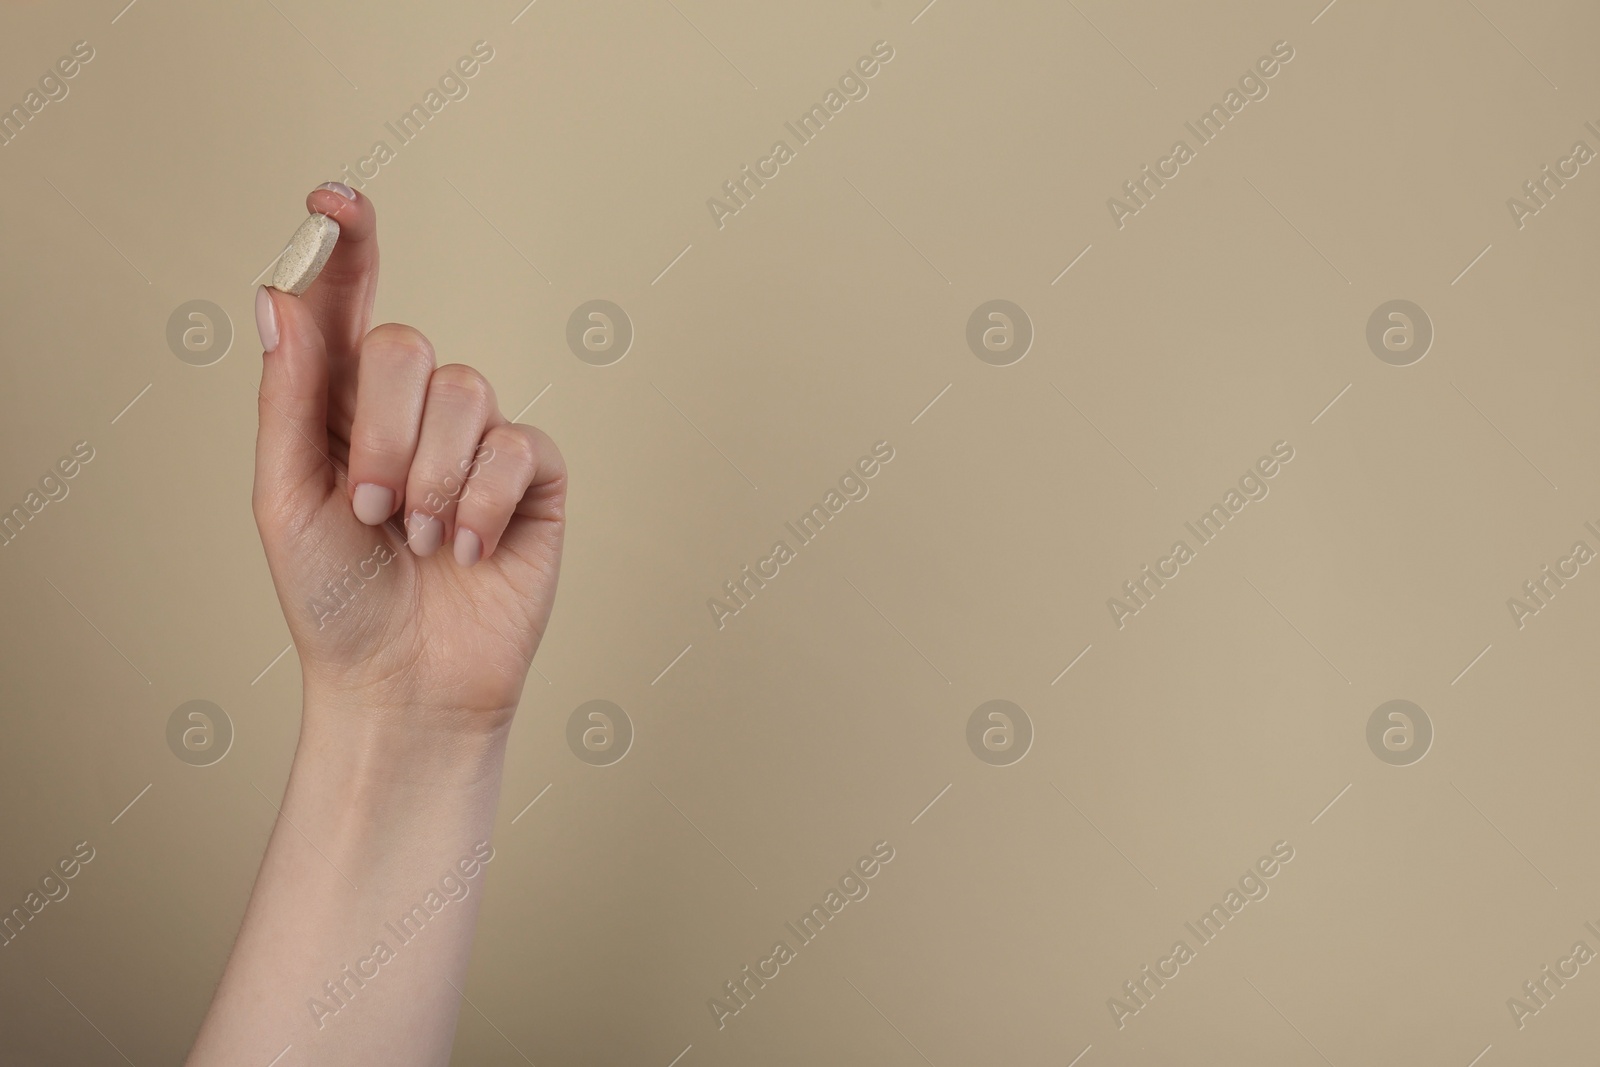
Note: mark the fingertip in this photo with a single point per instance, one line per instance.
(353, 212)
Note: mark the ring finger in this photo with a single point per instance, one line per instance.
(460, 407)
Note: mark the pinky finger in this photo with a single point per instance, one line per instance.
(518, 474)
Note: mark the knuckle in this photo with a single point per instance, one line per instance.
(465, 381)
(433, 474)
(552, 466)
(397, 342)
(515, 446)
(435, 484)
(435, 503)
(552, 453)
(382, 444)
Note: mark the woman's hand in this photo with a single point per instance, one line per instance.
(413, 534)
(414, 537)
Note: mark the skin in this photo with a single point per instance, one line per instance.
(411, 675)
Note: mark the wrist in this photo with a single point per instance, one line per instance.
(395, 706)
(376, 791)
(396, 747)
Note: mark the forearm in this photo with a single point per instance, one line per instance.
(357, 935)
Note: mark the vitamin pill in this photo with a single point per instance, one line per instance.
(306, 255)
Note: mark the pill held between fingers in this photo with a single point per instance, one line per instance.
(306, 255)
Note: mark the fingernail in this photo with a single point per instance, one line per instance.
(469, 546)
(339, 187)
(424, 533)
(373, 504)
(266, 320)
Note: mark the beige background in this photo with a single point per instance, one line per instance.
(823, 318)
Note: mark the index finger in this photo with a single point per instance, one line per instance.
(341, 298)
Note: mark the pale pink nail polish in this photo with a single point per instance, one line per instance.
(373, 504)
(339, 187)
(469, 546)
(266, 320)
(424, 533)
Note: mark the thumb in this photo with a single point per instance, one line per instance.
(294, 470)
